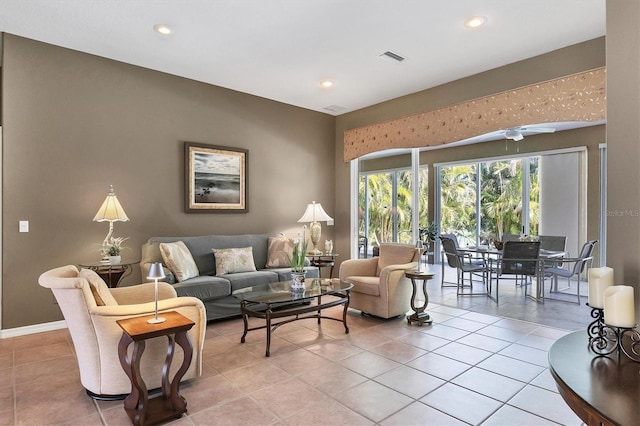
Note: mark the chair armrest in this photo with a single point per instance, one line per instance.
(108, 332)
(399, 267)
(392, 275)
(142, 293)
(358, 267)
(127, 311)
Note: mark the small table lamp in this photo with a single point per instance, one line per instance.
(155, 273)
(314, 214)
(110, 211)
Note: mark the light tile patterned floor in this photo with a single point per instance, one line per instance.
(469, 367)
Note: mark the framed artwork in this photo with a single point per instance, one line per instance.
(215, 178)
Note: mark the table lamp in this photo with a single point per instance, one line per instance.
(156, 272)
(314, 214)
(110, 211)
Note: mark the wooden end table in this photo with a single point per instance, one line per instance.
(141, 409)
(419, 315)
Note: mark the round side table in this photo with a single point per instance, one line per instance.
(112, 274)
(419, 315)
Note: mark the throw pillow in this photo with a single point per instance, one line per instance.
(178, 259)
(99, 288)
(232, 260)
(278, 249)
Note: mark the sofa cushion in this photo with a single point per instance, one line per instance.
(280, 251)
(204, 287)
(178, 259)
(365, 285)
(99, 288)
(248, 279)
(234, 260)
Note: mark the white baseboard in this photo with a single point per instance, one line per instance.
(32, 329)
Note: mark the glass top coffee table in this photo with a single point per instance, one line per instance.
(271, 301)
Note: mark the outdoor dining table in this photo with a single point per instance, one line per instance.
(492, 254)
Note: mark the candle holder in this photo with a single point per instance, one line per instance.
(611, 339)
(595, 328)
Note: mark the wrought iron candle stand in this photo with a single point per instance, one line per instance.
(605, 339)
(595, 329)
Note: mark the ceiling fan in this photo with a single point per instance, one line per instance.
(518, 133)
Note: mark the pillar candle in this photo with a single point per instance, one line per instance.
(599, 280)
(619, 306)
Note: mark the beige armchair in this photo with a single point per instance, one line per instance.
(379, 285)
(91, 309)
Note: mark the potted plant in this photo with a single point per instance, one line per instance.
(428, 234)
(297, 259)
(114, 250)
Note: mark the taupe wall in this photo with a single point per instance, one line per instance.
(74, 123)
(570, 60)
(623, 142)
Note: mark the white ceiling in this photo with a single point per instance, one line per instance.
(281, 49)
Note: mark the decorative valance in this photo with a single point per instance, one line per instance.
(577, 97)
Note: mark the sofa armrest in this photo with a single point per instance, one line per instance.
(358, 267)
(142, 293)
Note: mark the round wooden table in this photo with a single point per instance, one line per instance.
(601, 390)
(419, 315)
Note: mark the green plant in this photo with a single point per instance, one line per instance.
(298, 256)
(429, 232)
(115, 246)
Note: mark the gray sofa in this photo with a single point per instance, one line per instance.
(215, 291)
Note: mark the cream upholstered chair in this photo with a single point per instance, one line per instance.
(96, 334)
(379, 285)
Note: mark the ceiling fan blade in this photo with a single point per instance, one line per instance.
(535, 129)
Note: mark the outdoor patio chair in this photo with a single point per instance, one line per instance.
(452, 262)
(519, 259)
(575, 267)
(464, 263)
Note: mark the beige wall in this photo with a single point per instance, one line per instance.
(623, 142)
(74, 123)
(581, 57)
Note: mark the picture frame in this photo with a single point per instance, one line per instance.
(215, 178)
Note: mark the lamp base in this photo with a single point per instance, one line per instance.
(156, 320)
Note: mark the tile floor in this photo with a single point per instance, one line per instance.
(474, 365)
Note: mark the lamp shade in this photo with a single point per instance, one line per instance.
(156, 271)
(111, 210)
(314, 213)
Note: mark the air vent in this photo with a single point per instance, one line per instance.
(391, 56)
(334, 108)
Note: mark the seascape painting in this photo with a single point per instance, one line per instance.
(216, 178)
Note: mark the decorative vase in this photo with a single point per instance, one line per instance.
(297, 280)
(114, 260)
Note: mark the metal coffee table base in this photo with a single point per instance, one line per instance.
(290, 309)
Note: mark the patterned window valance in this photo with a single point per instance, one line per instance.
(577, 97)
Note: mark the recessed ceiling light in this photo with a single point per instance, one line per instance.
(162, 29)
(475, 21)
(327, 84)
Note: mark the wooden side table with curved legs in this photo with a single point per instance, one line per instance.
(419, 315)
(141, 409)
